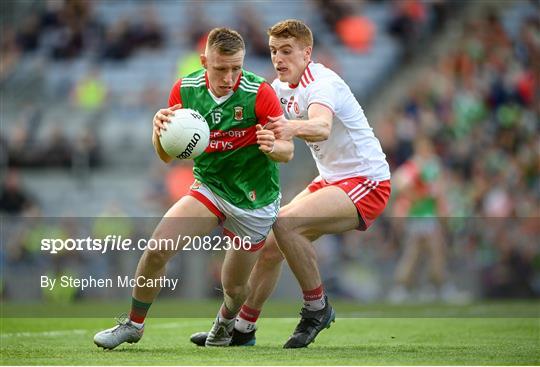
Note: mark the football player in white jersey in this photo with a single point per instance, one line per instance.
(350, 193)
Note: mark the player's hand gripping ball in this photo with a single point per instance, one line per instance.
(187, 134)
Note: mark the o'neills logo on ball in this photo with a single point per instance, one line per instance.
(189, 149)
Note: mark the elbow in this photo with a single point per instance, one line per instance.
(166, 159)
(288, 157)
(285, 152)
(322, 134)
(160, 152)
(325, 132)
(282, 158)
(289, 153)
(291, 156)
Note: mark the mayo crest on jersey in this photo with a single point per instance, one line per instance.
(351, 149)
(232, 165)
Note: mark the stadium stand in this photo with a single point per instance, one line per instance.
(81, 81)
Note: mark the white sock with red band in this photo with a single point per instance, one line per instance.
(314, 299)
(247, 319)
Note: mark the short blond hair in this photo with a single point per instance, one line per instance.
(292, 28)
(225, 40)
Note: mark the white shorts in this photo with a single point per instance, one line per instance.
(238, 222)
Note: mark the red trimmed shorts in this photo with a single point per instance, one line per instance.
(369, 196)
(238, 223)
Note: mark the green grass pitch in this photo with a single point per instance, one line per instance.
(350, 341)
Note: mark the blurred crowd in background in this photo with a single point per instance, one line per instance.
(80, 81)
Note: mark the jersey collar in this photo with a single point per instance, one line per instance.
(305, 78)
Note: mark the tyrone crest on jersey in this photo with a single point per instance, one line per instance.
(238, 113)
(292, 103)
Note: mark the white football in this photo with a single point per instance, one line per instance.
(186, 136)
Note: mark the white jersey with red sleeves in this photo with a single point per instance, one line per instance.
(351, 149)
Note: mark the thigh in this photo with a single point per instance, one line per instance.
(252, 224)
(325, 211)
(271, 250)
(186, 218)
(301, 194)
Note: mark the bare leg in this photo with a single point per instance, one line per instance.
(265, 274)
(328, 210)
(234, 277)
(179, 219)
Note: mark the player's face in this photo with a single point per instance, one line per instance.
(223, 70)
(290, 58)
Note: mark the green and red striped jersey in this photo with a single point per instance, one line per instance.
(232, 165)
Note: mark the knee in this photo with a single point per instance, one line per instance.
(283, 223)
(270, 256)
(235, 291)
(287, 222)
(156, 258)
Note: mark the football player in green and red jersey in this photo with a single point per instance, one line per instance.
(237, 181)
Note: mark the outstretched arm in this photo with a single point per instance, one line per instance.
(316, 128)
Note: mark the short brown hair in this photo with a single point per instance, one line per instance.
(225, 40)
(292, 28)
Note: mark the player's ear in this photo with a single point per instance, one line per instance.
(204, 60)
(307, 53)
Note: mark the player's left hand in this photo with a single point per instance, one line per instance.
(266, 139)
(280, 127)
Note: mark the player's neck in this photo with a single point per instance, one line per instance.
(296, 80)
(220, 99)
